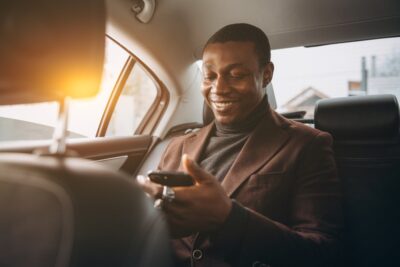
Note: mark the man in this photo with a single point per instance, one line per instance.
(266, 187)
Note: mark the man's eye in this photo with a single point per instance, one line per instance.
(237, 75)
(208, 77)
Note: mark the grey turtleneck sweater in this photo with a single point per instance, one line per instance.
(226, 141)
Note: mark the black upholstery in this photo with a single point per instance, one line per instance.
(364, 119)
(367, 151)
(72, 212)
(58, 210)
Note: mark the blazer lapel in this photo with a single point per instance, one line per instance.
(194, 146)
(265, 141)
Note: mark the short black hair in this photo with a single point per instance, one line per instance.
(243, 32)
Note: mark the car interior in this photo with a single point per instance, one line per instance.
(93, 91)
(58, 209)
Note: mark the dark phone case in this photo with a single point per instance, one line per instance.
(171, 178)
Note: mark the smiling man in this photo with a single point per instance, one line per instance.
(233, 83)
(266, 189)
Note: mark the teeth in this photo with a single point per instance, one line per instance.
(222, 105)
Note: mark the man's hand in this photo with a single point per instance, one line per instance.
(152, 189)
(200, 208)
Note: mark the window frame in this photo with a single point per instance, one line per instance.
(153, 115)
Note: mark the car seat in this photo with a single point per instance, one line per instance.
(365, 131)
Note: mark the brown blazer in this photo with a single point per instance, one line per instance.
(287, 201)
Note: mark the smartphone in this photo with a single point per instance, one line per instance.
(170, 178)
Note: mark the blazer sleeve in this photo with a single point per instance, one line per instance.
(171, 158)
(312, 238)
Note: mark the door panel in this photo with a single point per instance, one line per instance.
(113, 163)
(124, 153)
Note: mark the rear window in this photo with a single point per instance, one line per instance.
(305, 75)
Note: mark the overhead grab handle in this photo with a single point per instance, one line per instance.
(144, 9)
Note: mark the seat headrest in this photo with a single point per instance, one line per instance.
(50, 49)
(359, 119)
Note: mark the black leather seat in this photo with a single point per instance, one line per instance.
(367, 150)
(55, 209)
(72, 212)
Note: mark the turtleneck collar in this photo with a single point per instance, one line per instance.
(246, 125)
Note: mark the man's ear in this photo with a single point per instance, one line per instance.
(268, 73)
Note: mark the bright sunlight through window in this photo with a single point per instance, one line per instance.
(36, 121)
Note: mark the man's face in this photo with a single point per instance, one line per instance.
(233, 80)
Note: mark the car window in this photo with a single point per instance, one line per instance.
(304, 75)
(137, 96)
(36, 121)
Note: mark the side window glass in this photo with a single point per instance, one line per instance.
(85, 114)
(137, 96)
(36, 121)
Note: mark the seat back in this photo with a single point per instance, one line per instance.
(73, 212)
(367, 151)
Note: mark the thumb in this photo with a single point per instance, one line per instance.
(194, 170)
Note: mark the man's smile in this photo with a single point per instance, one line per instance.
(221, 106)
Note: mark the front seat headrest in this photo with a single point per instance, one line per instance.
(42, 61)
(373, 118)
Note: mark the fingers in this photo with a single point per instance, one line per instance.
(152, 189)
(177, 219)
(175, 211)
(192, 168)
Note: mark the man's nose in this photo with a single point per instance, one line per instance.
(220, 85)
